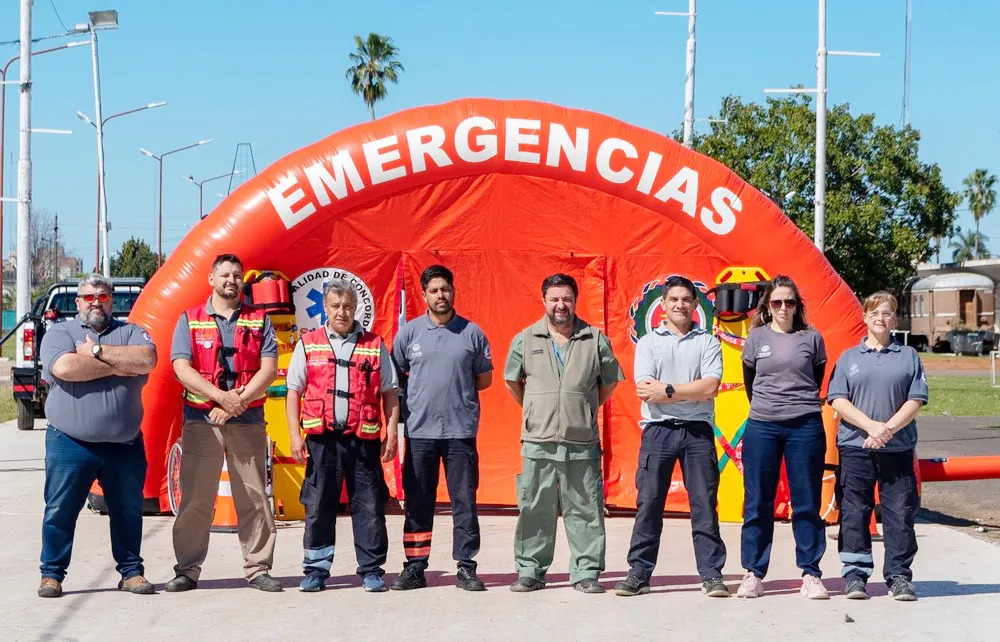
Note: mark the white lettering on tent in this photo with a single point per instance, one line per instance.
(648, 175)
(285, 201)
(723, 220)
(377, 159)
(683, 188)
(518, 134)
(603, 162)
(487, 143)
(426, 141)
(575, 150)
(323, 182)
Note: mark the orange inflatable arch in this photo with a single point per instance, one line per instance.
(503, 193)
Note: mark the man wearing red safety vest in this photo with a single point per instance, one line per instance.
(341, 386)
(225, 355)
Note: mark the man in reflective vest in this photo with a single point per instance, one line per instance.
(341, 384)
(225, 355)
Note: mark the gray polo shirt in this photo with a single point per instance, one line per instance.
(661, 355)
(108, 409)
(181, 349)
(442, 363)
(878, 383)
(343, 348)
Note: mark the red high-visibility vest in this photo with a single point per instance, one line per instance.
(206, 340)
(364, 402)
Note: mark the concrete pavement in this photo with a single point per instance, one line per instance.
(957, 577)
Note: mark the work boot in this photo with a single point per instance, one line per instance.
(588, 585)
(266, 583)
(901, 589)
(632, 585)
(526, 585)
(179, 584)
(715, 587)
(411, 578)
(467, 580)
(50, 587)
(136, 584)
(856, 589)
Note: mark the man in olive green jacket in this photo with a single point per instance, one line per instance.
(560, 370)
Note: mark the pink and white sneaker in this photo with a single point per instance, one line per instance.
(751, 586)
(813, 589)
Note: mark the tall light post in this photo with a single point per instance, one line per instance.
(819, 199)
(159, 207)
(689, 75)
(101, 190)
(99, 21)
(200, 184)
(3, 114)
(24, 178)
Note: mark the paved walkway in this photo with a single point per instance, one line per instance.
(957, 576)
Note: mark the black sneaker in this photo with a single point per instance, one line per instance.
(266, 583)
(526, 585)
(856, 589)
(901, 589)
(411, 578)
(180, 583)
(467, 580)
(632, 585)
(588, 585)
(715, 587)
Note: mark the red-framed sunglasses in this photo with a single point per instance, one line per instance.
(103, 297)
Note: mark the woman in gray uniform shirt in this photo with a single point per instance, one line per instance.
(878, 387)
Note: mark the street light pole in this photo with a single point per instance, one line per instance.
(100, 173)
(201, 184)
(159, 206)
(24, 178)
(689, 70)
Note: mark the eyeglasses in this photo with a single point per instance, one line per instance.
(881, 315)
(788, 303)
(103, 297)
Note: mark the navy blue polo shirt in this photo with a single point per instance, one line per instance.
(878, 383)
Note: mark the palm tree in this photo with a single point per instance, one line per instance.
(982, 197)
(373, 64)
(969, 246)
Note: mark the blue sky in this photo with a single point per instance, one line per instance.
(272, 74)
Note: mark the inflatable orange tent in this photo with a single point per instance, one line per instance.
(504, 193)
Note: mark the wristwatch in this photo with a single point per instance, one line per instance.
(96, 351)
(670, 391)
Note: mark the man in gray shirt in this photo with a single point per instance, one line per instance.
(96, 367)
(447, 361)
(678, 367)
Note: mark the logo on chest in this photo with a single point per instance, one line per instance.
(764, 352)
(853, 370)
(415, 351)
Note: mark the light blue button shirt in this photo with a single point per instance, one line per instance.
(663, 356)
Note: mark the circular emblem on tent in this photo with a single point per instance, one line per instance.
(647, 310)
(307, 295)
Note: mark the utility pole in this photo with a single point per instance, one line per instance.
(55, 250)
(689, 70)
(24, 178)
(906, 64)
(819, 237)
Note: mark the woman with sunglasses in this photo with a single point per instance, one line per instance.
(783, 363)
(878, 388)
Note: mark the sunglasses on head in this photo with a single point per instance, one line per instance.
(788, 303)
(103, 297)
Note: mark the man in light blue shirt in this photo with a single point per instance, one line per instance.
(678, 367)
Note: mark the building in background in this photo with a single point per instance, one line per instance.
(943, 299)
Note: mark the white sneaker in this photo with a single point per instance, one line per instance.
(812, 588)
(751, 586)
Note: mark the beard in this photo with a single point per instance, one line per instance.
(559, 318)
(442, 307)
(97, 318)
(226, 293)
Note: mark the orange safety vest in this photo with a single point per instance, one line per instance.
(206, 340)
(364, 410)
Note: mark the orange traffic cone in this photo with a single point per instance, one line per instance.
(224, 518)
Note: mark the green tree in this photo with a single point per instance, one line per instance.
(969, 246)
(979, 191)
(373, 64)
(135, 258)
(883, 206)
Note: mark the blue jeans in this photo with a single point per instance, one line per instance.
(802, 444)
(71, 466)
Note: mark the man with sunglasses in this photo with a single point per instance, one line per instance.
(96, 367)
(225, 355)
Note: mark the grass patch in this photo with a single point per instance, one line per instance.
(8, 407)
(962, 397)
